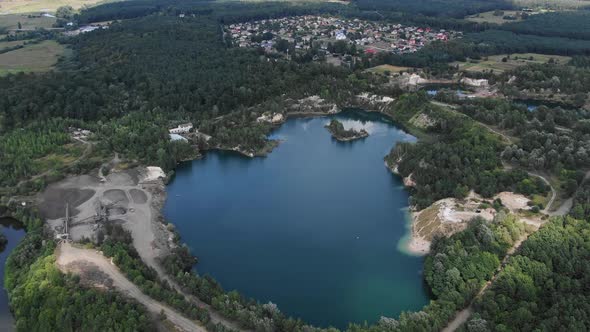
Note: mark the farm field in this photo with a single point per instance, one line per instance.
(388, 68)
(36, 6)
(489, 17)
(11, 21)
(494, 63)
(32, 58)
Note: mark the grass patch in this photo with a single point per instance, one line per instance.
(27, 6)
(11, 21)
(427, 222)
(496, 64)
(7, 44)
(39, 57)
(388, 68)
(541, 200)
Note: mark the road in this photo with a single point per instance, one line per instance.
(547, 208)
(72, 259)
(463, 315)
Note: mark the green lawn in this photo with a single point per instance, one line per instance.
(32, 58)
(388, 68)
(496, 64)
(37, 6)
(11, 21)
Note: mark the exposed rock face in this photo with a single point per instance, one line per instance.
(313, 104)
(475, 83)
(274, 118)
(372, 102)
(415, 79)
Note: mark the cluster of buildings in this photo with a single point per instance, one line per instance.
(306, 32)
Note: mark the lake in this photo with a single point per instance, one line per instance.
(14, 232)
(314, 227)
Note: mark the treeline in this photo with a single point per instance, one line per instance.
(453, 8)
(44, 299)
(581, 203)
(544, 287)
(550, 79)
(501, 41)
(567, 24)
(116, 242)
(246, 312)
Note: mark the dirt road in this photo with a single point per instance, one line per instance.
(76, 260)
(463, 315)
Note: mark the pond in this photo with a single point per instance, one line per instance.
(14, 232)
(314, 227)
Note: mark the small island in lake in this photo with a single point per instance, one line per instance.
(336, 128)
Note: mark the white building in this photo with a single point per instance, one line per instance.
(181, 129)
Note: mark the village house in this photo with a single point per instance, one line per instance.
(181, 129)
(308, 31)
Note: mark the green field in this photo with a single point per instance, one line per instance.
(37, 6)
(32, 58)
(11, 21)
(495, 63)
(388, 68)
(489, 17)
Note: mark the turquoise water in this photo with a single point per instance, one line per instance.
(314, 227)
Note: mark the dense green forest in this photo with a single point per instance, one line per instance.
(452, 8)
(544, 287)
(569, 24)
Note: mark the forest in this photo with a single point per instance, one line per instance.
(544, 287)
(568, 24)
(461, 158)
(129, 83)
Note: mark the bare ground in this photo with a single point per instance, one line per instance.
(96, 269)
(135, 199)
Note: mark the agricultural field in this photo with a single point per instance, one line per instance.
(493, 17)
(10, 22)
(36, 6)
(388, 68)
(496, 64)
(39, 57)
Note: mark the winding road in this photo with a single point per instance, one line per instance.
(463, 316)
(80, 261)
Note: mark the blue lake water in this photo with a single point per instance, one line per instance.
(14, 232)
(314, 227)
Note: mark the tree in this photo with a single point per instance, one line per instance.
(64, 12)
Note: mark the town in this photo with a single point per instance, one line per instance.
(311, 31)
